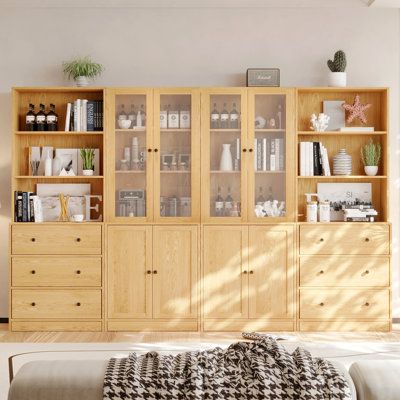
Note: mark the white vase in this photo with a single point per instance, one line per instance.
(87, 172)
(338, 79)
(226, 163)
(371, 170)
(342, 163)
(56, 168)
(82, 81)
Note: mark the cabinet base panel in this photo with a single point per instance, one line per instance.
(189, 325)
(240, 325)
(56, 326)
(345, 326)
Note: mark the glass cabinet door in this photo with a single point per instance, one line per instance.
(176, 154)
(131, 133)
(224, 154)
(270, 190)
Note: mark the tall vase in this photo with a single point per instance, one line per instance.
(226, 163)
(342, 163)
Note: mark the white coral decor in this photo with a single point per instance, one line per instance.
(320, 123)
(270, 209)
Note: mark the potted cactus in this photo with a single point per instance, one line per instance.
(87, 161)
(371, 155)
(338, 67)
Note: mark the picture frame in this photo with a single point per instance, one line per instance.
(69, 159)
(184, 158)
(167, 158)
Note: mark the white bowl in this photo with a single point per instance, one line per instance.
(124, 123)
(77, 218)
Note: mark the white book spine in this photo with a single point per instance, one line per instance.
(302, 159)
(277, 154)
(75, 115)
(264, 148)
(84, 115)
(68, 117)
(326, 158)
(78, 115)
(309, 158)
(255, 155)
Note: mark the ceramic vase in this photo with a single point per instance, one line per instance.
(87, 172)
(342, 163)
(226, 163)
(371, 170)
(338, 79)
(81, 81)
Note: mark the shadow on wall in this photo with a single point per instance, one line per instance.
(5, 156)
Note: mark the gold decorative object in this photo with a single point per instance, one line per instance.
(64, 217)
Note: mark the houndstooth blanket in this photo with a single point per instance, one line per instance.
(259, 370)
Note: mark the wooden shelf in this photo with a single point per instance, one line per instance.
(177, 130)
(338, 133)
(130, 172)
(225, 172)
(225, 130)
(175, 172)
(270, 172)
(56, 133)
(348, 177)
(57, 177)
(130, 130)
(270, 130)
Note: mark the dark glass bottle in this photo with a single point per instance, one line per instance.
(52, 118)
(30, 119)
(41, 119)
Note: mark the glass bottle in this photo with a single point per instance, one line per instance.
(132, 116)
(143, 113)
(234, 118)
(224, 118)
(121, 113)
(270, 194)
(41, 119)
(30, 119)
(219, 204)
(52, 118)
(228, 204)
(214, 117)
(260, 199)
(164, 118)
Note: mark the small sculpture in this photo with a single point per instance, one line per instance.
(356, 110)
(272, 123)
(270, 209)
(320, 123)
(64, 215)
(260, 122)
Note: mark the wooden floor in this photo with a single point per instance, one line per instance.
(153, 337)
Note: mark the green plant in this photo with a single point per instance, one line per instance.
(83, 66)
(339, 62)
(371, 154)
(87, 158)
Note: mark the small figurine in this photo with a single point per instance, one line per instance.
(320, 123)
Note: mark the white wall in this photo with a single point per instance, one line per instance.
(195, 47)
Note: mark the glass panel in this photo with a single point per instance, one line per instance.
(225, 156)
(175, 156)
(130, 156)
(269, 156)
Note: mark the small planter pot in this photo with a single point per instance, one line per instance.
(87, 172)
(371, 170)
(82, 81)
(338, 79)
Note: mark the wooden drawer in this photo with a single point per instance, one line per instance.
(54, 304)
(344, 239)
(344, 271)
(56, 239)
(344, 303)
(56, 271)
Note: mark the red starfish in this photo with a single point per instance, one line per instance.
(357, 110)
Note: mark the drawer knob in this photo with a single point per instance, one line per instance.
(78, 304)
(78, 272)
(148, 272)
(250, 150)
(251, 272)
(367, 239)
(155, 272)
(321, 272)
(33, 304)
(33, 272)
(78, 239)
(321, 240)
(244, 150)
(155, 150)
(366, 271)
(149, 150)
(33, 239)
(366, 304)
(245, 272)
(321, 304)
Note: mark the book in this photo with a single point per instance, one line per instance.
(84, 115)
(255, 155)
(309, 159)
(272, 164)
(90, 116)
(25, 201)
(37, 208)
(31, 213)
(281, 166)
(317, 164)
(302, 158)
(259, 155)
(18, 206)
(264, 154)
(68, 117)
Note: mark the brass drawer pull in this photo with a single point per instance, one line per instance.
(321, 240)
(366, 304)
(366, 272)
(250, 150)
(155, 272)
(367, 239)
(149, 150)
(148, 272)
(321, 272)
(245, 272)
(155, 150)
(33, 272)
(78, 304)
(244, 150)
(33, 239)
(321, 304)
(78, 239)
(251, 272)
(78, 272)
(33, 304)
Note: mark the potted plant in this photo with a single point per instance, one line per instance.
(81, 70)
(338, 67)
(371, 155)
(87, 161)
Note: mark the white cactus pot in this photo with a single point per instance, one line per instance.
(82, 81)
(338, 79)
(371, 170)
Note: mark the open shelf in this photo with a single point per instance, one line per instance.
(346, 177)
(269, 130)
(175, 130)
(62, 133)
(270, 172)
(225, 130)
(338, 133)
(224, 172)
(130, 130)
(58, 177)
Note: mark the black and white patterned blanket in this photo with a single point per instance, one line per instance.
(245, 370)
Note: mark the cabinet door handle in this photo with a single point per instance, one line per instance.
(155, 150)
(366, 304)
(33, 239)
(244, 150)
(149, 150)
(78, 304)
(78, 239)
(366, 272)
(321, 304)
(321, 240)
(33, 304)
(251, 272)
(250, 150)
(148, 272)
(155, 272)
(367, 239)
(78, 271)
(321, 272)
(33, 272)
(245, 272)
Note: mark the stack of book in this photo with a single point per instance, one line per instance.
(314, 159)
(269, 154)
(25, 203)
(84, 116)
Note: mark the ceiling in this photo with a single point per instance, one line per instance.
(202, 3)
